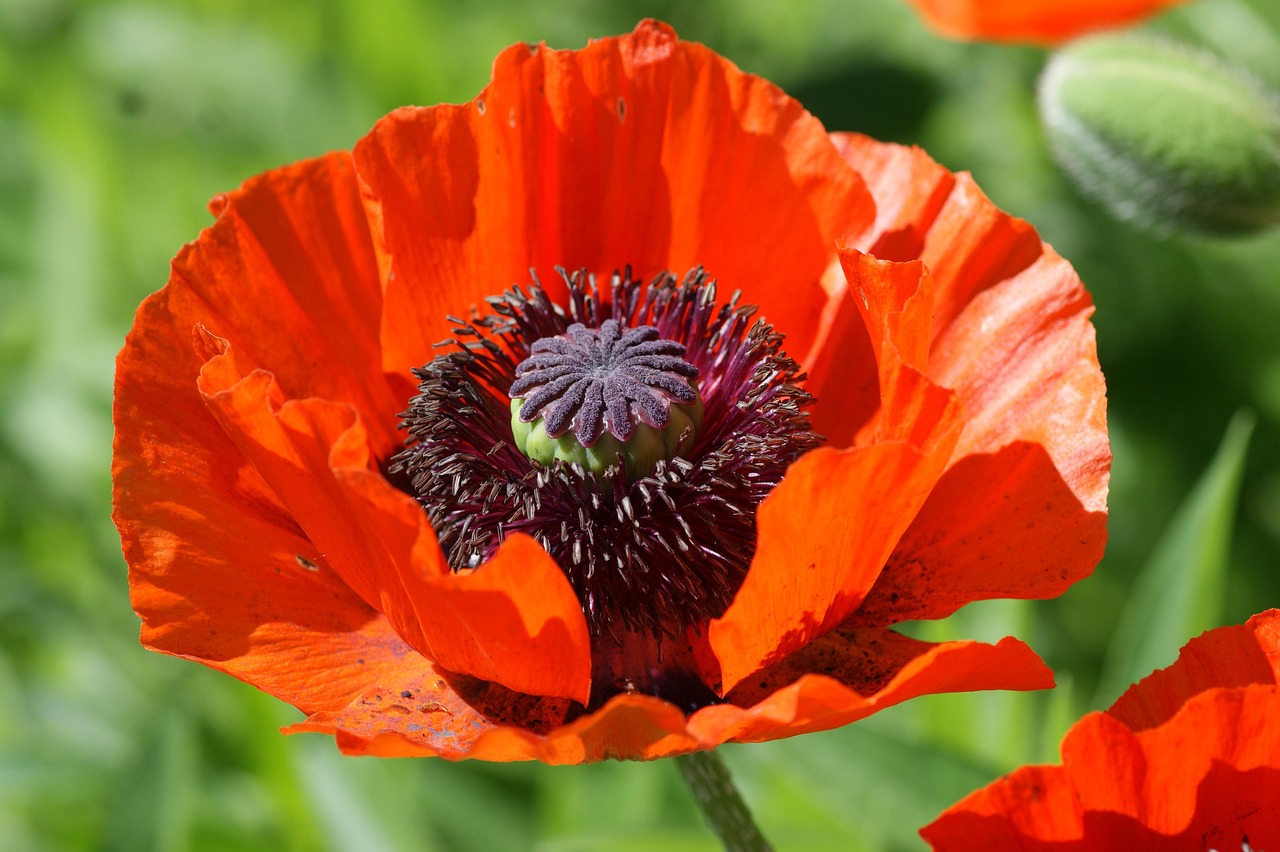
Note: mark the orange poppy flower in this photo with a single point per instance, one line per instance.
(451, 597)
(1044, 22)
(1188, 758)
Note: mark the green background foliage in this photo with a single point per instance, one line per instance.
(119, 120)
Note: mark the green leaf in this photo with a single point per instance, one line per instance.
(994, 727)
(668, 840)
(1178, 594)
(616, 800)
(1060, 713)
(866, 786)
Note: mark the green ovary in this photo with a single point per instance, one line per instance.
(640, 454)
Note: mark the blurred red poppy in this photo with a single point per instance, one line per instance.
(451, 597)
(1042, 22)
(1188, 758)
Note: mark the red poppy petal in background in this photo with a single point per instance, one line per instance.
(1238, 655)
(1028, 809)
(314, 455)
(1043, 22)
(639, 150)
(848, 675)
(1206, 779)
(287, 273)
(1155, 775)
(1188, 758)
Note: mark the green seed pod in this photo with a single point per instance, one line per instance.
(591, 396)
(1164, 135)
(640, 453)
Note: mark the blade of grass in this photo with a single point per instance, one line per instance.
(867, 786)
(1178, 594)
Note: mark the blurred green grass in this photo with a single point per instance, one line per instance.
(118, 121)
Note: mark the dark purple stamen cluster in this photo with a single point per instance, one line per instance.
(653, 554)
(602, 380)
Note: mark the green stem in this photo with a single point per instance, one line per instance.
(712, 787)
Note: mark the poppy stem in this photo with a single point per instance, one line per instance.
(721, 804)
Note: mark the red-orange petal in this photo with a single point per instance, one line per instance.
(517, 622)
(1000, 525)
(440, 723)
(640, 150)
(943, 219)
(896, 302)
(457, 718)
(221, 573)
(843, 376)
(1188, 758)
(1022, 357)
(1011, 336)
(288, 270)
(909, 188)
(801, 585)
(1238, 655)
(218, 571)
(250, 596)
(912, 193)
(1207, 778)
(520, 626)
(287, 273)
(1043, 22)
(849, 675)
(823, 535)
(1010, 329)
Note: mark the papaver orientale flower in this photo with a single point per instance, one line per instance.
(1188, 758)
(316, 497)
(1043, 22)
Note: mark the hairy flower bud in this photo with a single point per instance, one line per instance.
(1164, 135)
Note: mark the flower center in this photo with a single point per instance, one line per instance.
(596, 395)
(654, 545)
